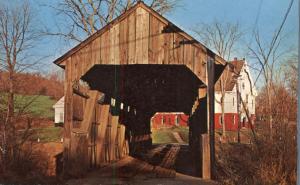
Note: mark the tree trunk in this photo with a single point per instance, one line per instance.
(269, 108)
(223, 115)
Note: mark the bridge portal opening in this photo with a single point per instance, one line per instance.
(170, 127)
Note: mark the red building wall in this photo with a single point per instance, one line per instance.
(231, 120)
(169, 120)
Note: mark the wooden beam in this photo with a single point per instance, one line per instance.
(121, 137)
(205, 148)
(211, 110)
(113, 137)
(100, 140)
(79, 93)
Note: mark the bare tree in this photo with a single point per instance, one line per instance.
(16, 39)
(222, 38)
(82, 18)
(268, 53)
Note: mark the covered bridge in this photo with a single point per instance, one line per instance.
(119, 77)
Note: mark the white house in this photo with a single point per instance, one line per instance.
(248, 93)
(59, 110)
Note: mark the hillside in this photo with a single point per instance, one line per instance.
(34, 84)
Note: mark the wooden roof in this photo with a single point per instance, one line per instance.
(60, 61)
(234, 68)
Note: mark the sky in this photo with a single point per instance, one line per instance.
(265, 15)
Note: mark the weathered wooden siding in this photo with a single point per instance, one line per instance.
(140, 38)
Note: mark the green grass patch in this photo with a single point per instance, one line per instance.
(49, 134)
(165, 135)
(38, 106)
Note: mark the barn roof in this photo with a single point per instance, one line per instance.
(60, 61)
(234, 68)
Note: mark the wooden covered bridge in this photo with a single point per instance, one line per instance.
(119, 77)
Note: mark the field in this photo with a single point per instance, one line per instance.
(165, 135)
(41, 106)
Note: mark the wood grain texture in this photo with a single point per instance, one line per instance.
(131, 38)
(121, 141)
(124, 34)
(113, 137)
(205, 148)
(102, 118)
(68, 117)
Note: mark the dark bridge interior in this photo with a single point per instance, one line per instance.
(150, 88)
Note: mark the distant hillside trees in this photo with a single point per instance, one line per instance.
(34, 84)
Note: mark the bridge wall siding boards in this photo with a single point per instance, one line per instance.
(140, 38)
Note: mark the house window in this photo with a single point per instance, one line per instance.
(243, 86)
(233, 101)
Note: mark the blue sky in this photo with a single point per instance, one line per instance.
(268, 13)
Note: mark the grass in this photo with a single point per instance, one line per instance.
(41, 106)
(37, 105)
(165, 135)
(49, 134)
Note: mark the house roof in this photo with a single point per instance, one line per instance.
(59, 103)
(228, 76)
(59, 61)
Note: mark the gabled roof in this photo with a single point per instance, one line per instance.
(60, 103)
(59, 61)
(233, 69)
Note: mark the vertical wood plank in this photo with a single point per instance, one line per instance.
(142, 36)
(108, 139)
(205, 148)
(167, 37)
(89, 59)
(131, 38)
(188, 55)
(161, 43)
(113, 137)
(114, 45)
(121, 140)
(124, 41)
(211, 109)
(171, 48)
(139, 36)
(68, 108)
(105, 47)
(156, 41)
(176, 49)
(200, 64)
(102, 118)
(145, 36)
(96, 51)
